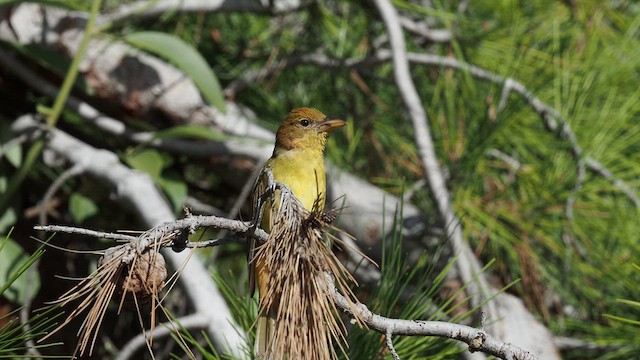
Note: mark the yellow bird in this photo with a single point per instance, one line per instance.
(298, 162)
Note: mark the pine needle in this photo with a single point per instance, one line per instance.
(135, 270)
(301, 283)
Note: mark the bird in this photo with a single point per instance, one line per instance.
(298, 162)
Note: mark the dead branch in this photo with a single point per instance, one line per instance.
(189, 322)
(145, 9)
(477, 340)
(469, 267)
(369, 206)
(137, 192)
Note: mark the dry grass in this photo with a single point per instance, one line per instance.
(304, 275)
(135, 271)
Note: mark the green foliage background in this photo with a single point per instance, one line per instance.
(580, 57)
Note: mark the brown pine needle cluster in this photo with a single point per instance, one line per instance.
(303, 279)
(135, 271)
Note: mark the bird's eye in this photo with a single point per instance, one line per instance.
(304, 122)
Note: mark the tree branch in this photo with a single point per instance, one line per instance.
(547, 113)
(476, 339)
(469, 266)
(137, 192)
(423, 30)
(146, 9)
(369, 206)
(193, 321)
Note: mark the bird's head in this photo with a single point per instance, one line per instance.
(305, 128)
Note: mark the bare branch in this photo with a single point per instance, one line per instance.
(137, 192)
(177, 97)
(236, 226)
(595, 166)
(513, 164)
(109, 124)
(477, 340)
(53, 188)
(150, 9)
(318, 59)
(190, 322)
(196, 205)
(423, 30)
(469, 266)
(22, 138)
(86, 232)
(388, 338)
(584, 347)
(548, 114)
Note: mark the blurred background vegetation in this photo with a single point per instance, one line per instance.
(569, 241)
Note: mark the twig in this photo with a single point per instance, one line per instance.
(108, 124)
(548, 114)
(573, 344)
(244, 193)
(468, 266)
(423, 30)
(73, 171)
(513, 164)
(142, 9)
(317, 59)
(477, 340)
(197, 206)
(193, 321)
(389, 342)
(411, 189)
(595, 166)
(568, 237)
(137, 192)
(237, 205)
(81, 231)
(239, 228)
(20, 139)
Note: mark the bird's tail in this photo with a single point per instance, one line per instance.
(265, 331)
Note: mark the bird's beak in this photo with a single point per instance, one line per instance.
(330, 124)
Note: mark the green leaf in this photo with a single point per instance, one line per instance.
(175, 188)
(7, 219)
(629, 302)
(13, 154)
(81, 207)
(153, 162)
(19, 281)
(190, 132)
(147, 160)
(623, 319)
(185, 57)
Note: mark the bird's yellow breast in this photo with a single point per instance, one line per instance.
(302, 170)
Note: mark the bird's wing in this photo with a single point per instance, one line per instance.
(259, 188)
